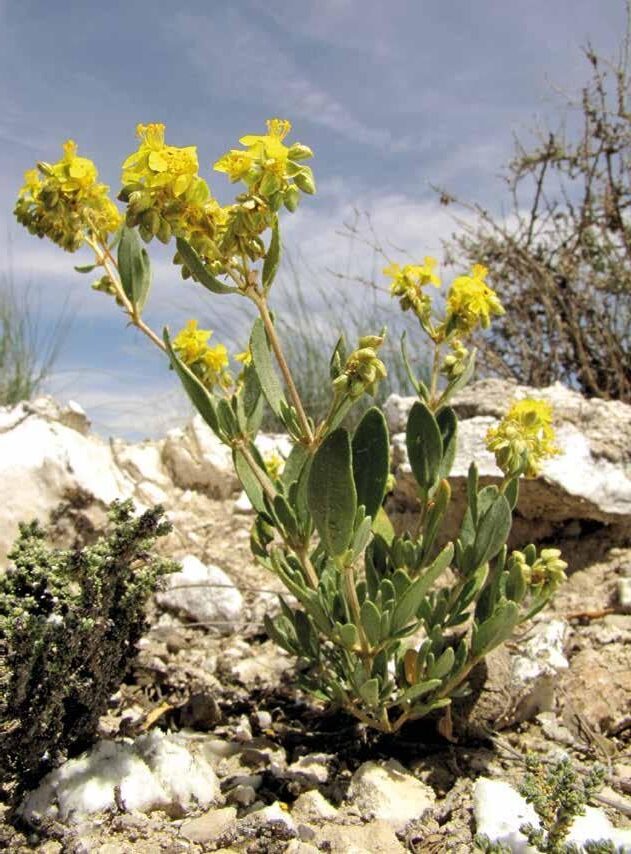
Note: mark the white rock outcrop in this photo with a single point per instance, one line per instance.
(156, 771)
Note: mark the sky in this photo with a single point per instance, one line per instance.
(393, 97)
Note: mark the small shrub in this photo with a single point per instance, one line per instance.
(361, 592)
(69, 624)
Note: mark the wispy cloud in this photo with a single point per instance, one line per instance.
(258, 69)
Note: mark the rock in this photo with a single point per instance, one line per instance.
(44, 459)
(311, 769)
(196, 459)
(535, 670)
(156, 771)
(274, 818)
(376, 837)
(624, 594)
(500, 810)
(390, 793)
(210, 826)
(243, 506)
(296, 846)
(588, 481)
(312, 806)
(597, 686)
(242, 795)
(203, 593)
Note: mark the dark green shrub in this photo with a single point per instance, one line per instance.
(69, 624)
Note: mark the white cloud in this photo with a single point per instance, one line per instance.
(258, 68)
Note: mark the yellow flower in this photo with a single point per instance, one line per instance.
(269, 168)
(156, 165)
(471, 302)
(236, 164)
(207, 363)
(245, 357)
(64, 201)
(408, 283)
(191, 343)
(216, 358)
(524, 438)
(274, 464)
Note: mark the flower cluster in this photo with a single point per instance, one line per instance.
(269, 168)
(543, 574)
(65, 202)
(163, 191)
(524, 438)
(408, 283)
(209, 364)
(363, 369)
(471, 302)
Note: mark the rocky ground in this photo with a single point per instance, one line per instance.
(208, 747)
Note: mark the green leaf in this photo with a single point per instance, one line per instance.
(371, 460)
(197, 393)
(448, 426)
(512, 492)
(424, 445)
(492, 531)
(248, 479)
(442, 666)
(331, 494)
(408, 605)
(495, 630)
(134, 268)
(86, 268)
(371, 621)
(418, 690)
(294, 464)
(369, 692)
(199, 271)
(272, 257)
(338, 359)
(262, 360)
(348, 635)
(382, 526)
(362, 536)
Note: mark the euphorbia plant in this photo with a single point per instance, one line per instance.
(360, 591)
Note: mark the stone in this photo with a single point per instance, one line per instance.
(312, 806)
(597, 687)
(376, 837)
(203, 593)
(389, 792)
(500, 810)
(589, 480)
(535, 670)
(624, 594)
(198, 460)
(156, 771)
(311, 769)
(210, 826)
(243, 506)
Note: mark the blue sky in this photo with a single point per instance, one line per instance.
(392, 96)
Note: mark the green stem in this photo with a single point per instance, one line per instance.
(261, 304)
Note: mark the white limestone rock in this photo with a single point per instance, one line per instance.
(203, 593)
(156, 771)
(388, 792)
(536, 667)
(196, 459)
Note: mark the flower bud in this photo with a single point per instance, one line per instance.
(298, 151)
(304, 180)
(291, 198)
